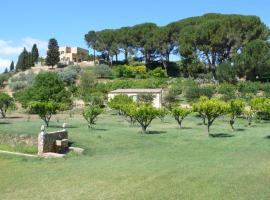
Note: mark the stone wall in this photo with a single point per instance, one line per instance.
(55, 142)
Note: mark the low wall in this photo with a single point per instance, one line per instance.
(47, 141)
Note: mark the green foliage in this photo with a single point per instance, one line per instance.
(53, 53)
(69, 74)
(228, 91)
(261, 106)
(128, 71)
(21, 81)
(210, 109)
(11, 67)
(146, 98)
(195, 92)
(35, 54)
(45, 109)
(3, 78)
(119, 101)
(144, 115)
(236, 108)
(24, 61)
(245, 87)
(162, 112)
(180, 113)
(226, 72)
(102, 71)
(158, 72)
(6, 102)
(87, 84)
(90, 114)
(172, 95)
(46, 87)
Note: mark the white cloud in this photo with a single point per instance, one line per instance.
(28, 42)
(4, 63)
(8, 48)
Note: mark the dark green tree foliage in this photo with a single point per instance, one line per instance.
(215, 38)
(11, 67)
(91, 39)
(24, 61)
(35, 54)
(255, 59)
(6, 70)
(53, 53)
(125, 41)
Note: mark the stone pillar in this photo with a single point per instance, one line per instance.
(41, 137)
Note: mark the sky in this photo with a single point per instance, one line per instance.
(25, 22)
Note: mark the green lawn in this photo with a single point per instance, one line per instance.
(120, 163)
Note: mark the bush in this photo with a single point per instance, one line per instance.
(195, 92)
(90, 114)
(102, 71)
(3, 78)
(69, 74)
(228, 91)
(130, 71)
(158, 72)
(266, 89)
(21, 81)
(226, 73)
(248, 87)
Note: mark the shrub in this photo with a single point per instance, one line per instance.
(146, 98)
(172, 94)
(69, 74)
(226, 73)
(21, 81)
(248, 87)
(158, 72)
(266, 89)
(103, 71)
(87, 84)
(228, 91)
(195, 92)
(130, 71)
(3, 78)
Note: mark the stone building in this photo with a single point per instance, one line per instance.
(71, 55)
(157, 93)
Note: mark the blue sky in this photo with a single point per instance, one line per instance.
(24, 22)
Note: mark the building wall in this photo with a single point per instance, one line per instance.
(74, 54)
(156, 102)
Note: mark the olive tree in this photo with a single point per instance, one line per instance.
(211, 109)
(180, 113)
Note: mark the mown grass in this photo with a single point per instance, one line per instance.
(120, 163)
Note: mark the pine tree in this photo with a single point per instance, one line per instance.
(35, 54)
(52, 53)
(11, 68)
(6, 71)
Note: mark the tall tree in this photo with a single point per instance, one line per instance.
(24, 61)
(125, 41)
(11, 67)
(92, 42)
(35, 54)
(143, 35)
(53, 53)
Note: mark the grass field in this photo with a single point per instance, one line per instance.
(120, 163)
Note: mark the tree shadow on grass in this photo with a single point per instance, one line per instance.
(267, 137)
(185, 127)
(240, 129)
(221, 135)
(156, 132)
(99, 129)
(5, 122)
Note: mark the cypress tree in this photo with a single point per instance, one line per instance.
(52, 53)
(24, 60)
(35, 54)
(11, 67)
(6, 71)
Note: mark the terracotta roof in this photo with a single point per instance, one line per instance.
(137, 90)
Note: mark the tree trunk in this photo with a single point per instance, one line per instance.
(94, 56)
(208, 128)
(232, 123)
(116, 57)
(126, 56)
(144, 129)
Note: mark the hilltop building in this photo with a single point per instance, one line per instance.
(71, 55)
